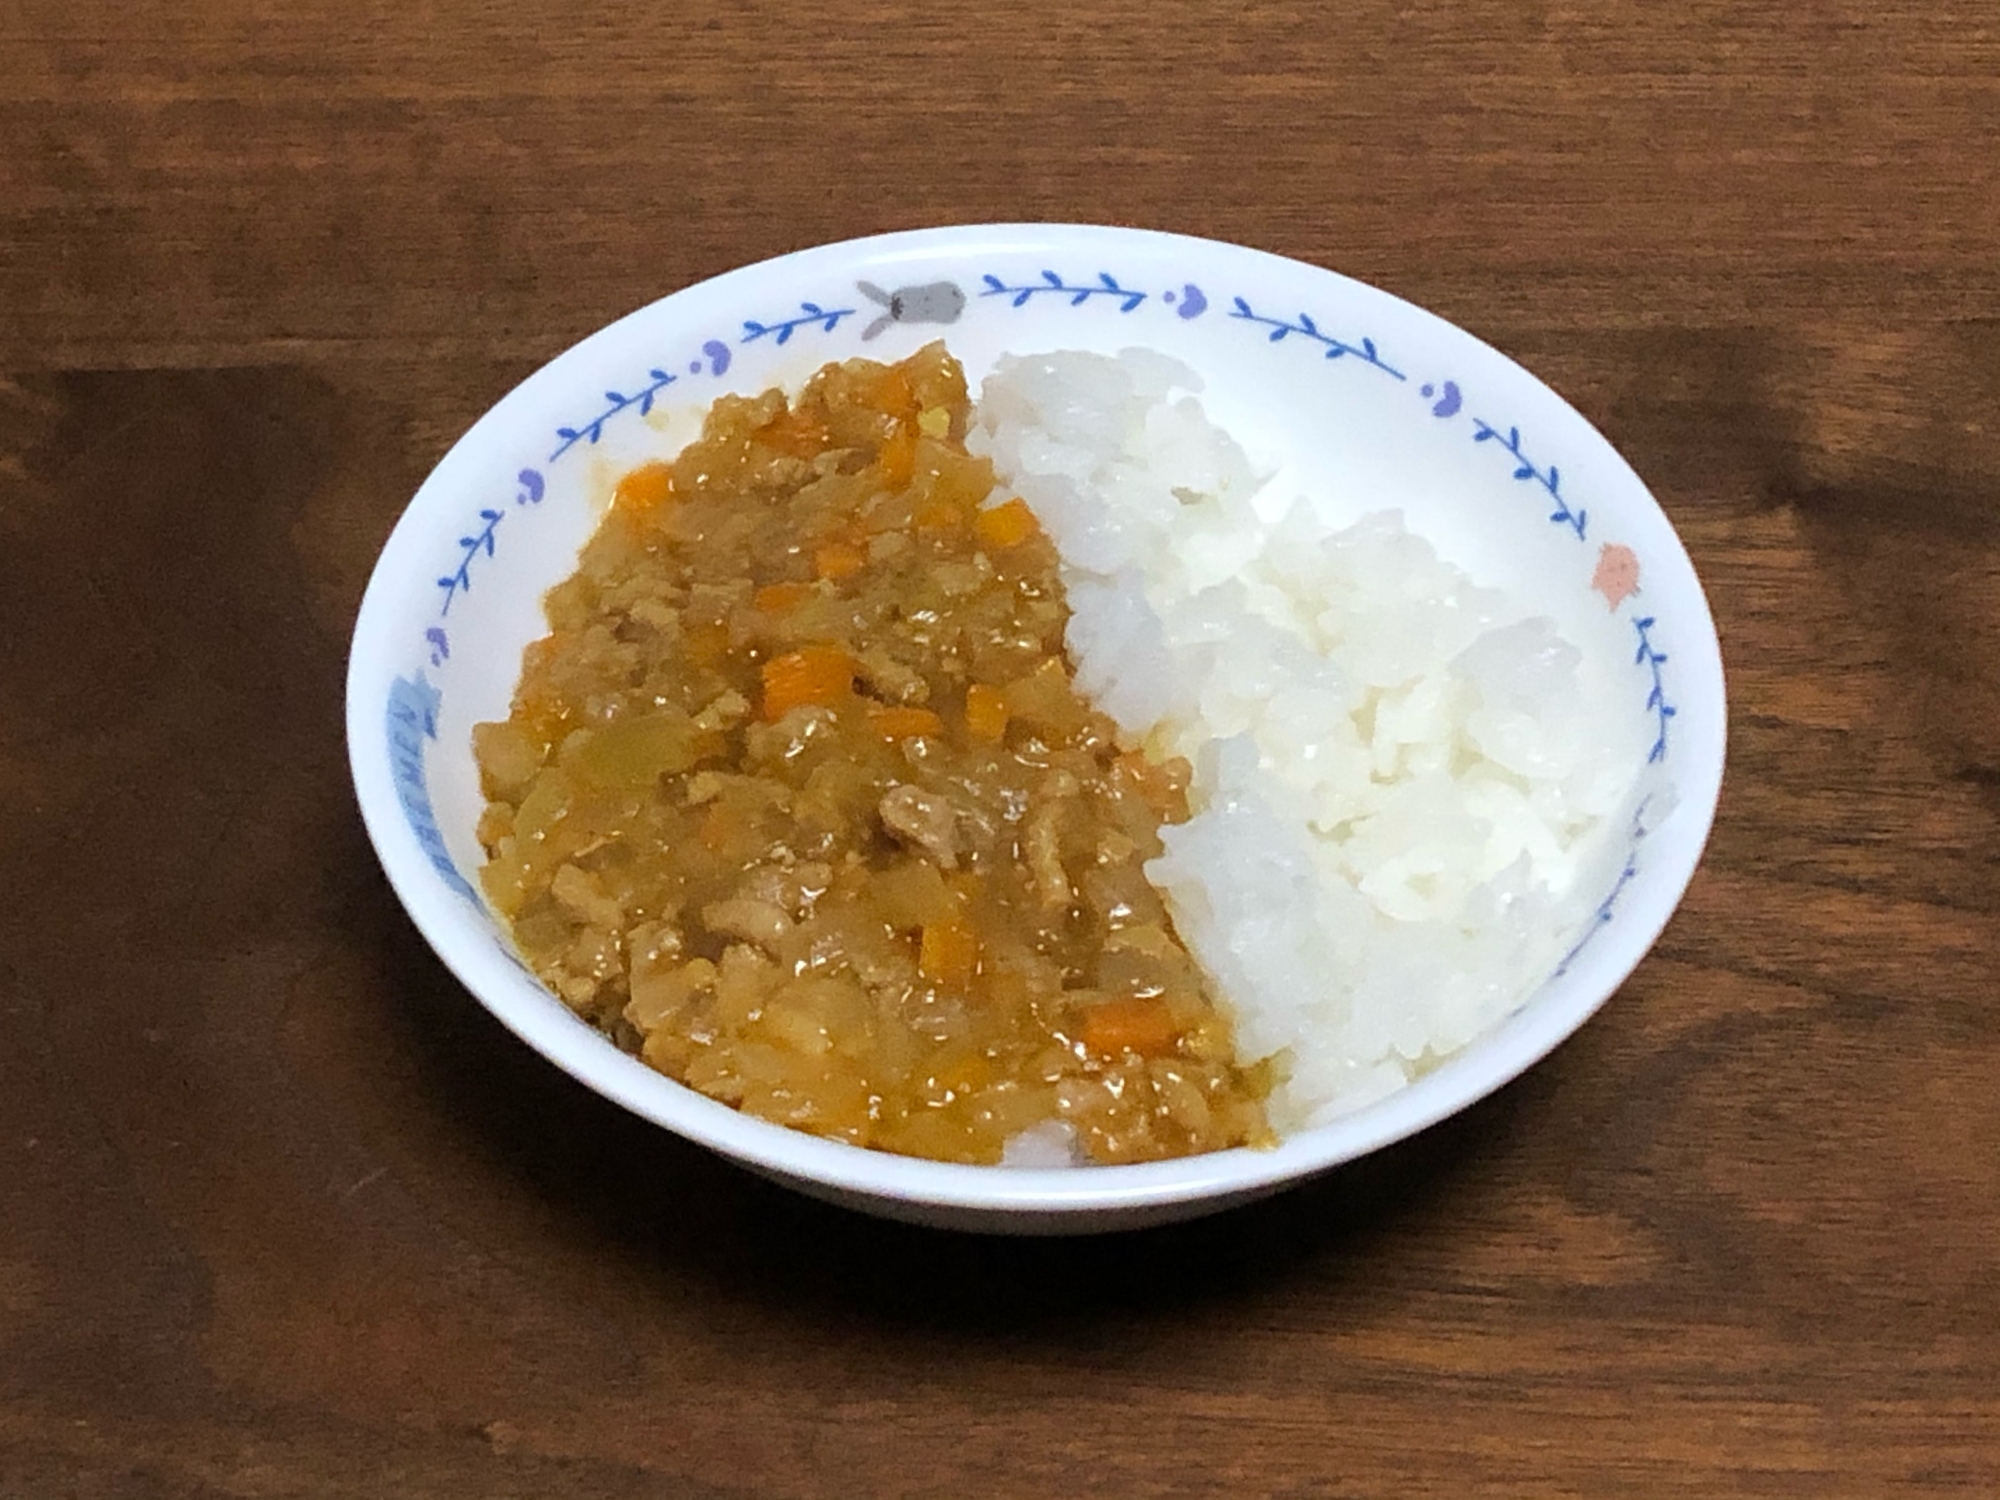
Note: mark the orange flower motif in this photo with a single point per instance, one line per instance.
(1617, 575)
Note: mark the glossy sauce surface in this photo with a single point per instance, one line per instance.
(798, 802)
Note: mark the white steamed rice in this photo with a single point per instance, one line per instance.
(1398, 779)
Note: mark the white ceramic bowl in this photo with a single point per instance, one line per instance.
(1354, 392)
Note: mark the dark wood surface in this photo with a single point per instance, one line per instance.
(283, 1213)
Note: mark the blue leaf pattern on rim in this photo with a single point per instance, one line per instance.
(810, 313)
(594, 429)
(717, 354)
(413, 701)
(1306, 328)
(460, 581)
(1549, 479)
(1656, 701)
(1106, 285)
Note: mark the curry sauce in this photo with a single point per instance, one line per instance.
(797, 800)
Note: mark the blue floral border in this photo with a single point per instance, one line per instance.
(411, 720)
(413, 702)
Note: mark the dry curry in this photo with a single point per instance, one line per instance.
(798, 802)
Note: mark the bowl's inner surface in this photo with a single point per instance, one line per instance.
(1342, 393)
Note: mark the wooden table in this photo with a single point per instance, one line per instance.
(283, 1213)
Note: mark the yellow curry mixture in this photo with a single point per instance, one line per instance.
(798, 802)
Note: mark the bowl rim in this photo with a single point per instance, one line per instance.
(1492, 1061)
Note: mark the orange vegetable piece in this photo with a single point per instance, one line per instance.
(938, 515)
(1006, 525)
(837, 560)
(645, 488)
(985, 712)
(797, 432)
(820, 675)
(1141, 1025)
(899, 723)
(948, 952)
(897, 459)
(893, 394)
(781, 598)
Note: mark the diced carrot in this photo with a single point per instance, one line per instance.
(705, 643)
(938, 515)
(1141, 1025)
(893, 395)
(948, 952)
(900, 723)
(797, 432)
(838, 560)
(1006, 525)
(897, 460)
(813, 674)
(781, 598)
(646, 488)
(985, 712)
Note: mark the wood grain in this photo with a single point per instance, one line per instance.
(282, 1213)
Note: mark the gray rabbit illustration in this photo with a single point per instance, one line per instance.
(933, 302)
